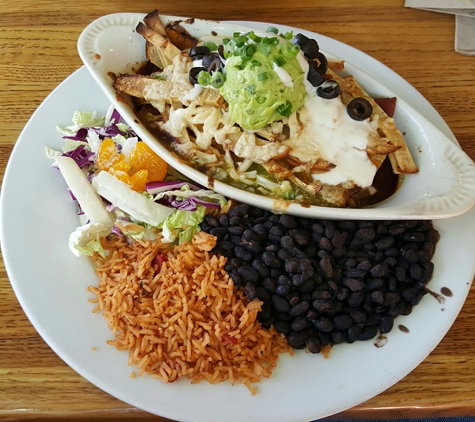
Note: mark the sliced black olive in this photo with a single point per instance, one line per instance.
(315, 77)
(323, 62)
(310, 49)
(300, 40)
(211, 62)
(193, 76)
(221, 50)
(199, 50)
(359, 109)
(329, 90)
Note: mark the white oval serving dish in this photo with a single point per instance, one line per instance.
(443, 188)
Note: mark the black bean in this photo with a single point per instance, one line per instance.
(393, 252)
(300, 324)
(373, 283)
(282, 290)
(400, 273)
(318, 228)
(270, 259)
(269, 284)
(391, 298)
(300, 236)
(355, 273)
(248, 274)
(252, 246)
(288, 221)
(275, 273)
(260, 230)
(415, 271)
(261, 269)
(285, 254)
(368, 333)
(380, 270)
(411, 256)
(339, 240)
(250, 291)
(232, 265)
(342, 322)
(242, 253)
(353, 284)
(279, 303)
(294, 300)
(262, 294)
(350, 263)
(427, 271)
(396, 229)
(287, 242)
(314, 345)
(377, 297)
(282, 327)
(219, 232)
(321, 305)
(284, 280)
(353, 333)
(414, 237)
(298, 340)
(307, 286)
(326, 267)
(358, 316)
(299, 309)
(321, 295)
(355, 299)
(212, 221)
(325, 244)
(373, 319)
(236, 278)
(409, 294)
(365, 234)
(324, 325)
(239, 210)
(385, 243)
(343, 294)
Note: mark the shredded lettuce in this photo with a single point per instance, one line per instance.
(182, 225)
(90, 248)
(82, 119)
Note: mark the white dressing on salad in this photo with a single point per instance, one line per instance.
(83, 235)
(133, 203)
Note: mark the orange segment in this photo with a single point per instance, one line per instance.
(138, 180)
(107, 154)
(144, 158)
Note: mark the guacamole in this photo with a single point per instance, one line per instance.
(263, 88)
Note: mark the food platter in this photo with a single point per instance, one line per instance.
(52, 292)
(111, 46)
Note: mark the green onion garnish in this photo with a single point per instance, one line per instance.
(254, 37)
(263, 76)
(279, 61)
(217, 79)
(159, 77)
(290, 195)
(211, 45)
(285, 109)
(204, 78)
(255, 63)
(272, 29)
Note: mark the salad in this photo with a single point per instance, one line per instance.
(123, 187)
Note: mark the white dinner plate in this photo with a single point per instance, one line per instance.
(111, 46)
(37, 216)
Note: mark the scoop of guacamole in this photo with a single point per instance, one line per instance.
(256, 94)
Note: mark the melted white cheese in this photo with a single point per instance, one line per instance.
(330, 133)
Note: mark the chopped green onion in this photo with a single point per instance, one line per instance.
(263, 76)
(255, 62)
(226, 41)
(211, 45)
(204, 78)
(279, 61)
(289, 50)
(217, 79)
(261, 100)
(160, 77)
(290, 195)
(272, 29)
(251, 89)
(254, 37)
(285, 109)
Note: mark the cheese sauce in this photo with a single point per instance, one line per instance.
(329, 133)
